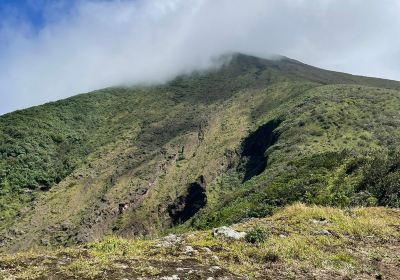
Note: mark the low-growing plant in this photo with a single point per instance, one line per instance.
(258, 234)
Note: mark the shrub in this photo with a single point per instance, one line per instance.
(382, 179)
(259, 234)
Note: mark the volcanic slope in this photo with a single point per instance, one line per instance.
(205, 149)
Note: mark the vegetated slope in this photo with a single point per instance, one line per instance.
(203, 150)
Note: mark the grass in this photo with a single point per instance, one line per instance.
(362, 242)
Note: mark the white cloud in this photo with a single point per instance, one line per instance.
(105, 43)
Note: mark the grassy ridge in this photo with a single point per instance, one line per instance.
(360, 243)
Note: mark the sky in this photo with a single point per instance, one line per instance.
(52, 49)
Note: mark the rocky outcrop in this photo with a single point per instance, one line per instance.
(228, 232)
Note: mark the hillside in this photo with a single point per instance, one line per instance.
(203, 150)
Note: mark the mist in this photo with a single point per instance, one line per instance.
(96, 44)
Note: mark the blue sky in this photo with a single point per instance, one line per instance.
(52, 49)
(33, 12)
(24, 10)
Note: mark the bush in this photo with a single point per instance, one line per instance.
(259, 234)
(382, 180)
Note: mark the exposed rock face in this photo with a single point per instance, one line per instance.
(187, 205)
(253, 158)
(228, 232)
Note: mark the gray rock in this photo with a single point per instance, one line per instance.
(214, 268)
(190, 251)
(207, 250)
(44, 241)
(228, 232)
(173, 277)
(171, 238)
(318, 222)
(323, 232)
(169, 241)
(121, 266)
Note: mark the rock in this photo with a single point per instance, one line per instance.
(171, 238)
(207, 250)
(173, 277)
(190, 251)
(169, 241)
(318, 222)
(214, 268)
(282, 236)
(228, 232)
(121, 266)
(323, 232)
(64, 227)
(215, 258)
(44, 241)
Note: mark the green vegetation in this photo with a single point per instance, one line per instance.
(336, 146)
(257, 235)
(243, 141)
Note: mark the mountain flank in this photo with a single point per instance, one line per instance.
(201, 151)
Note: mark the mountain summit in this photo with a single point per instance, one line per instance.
(204, 150)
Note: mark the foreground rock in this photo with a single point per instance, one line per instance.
(169, 241)
(228, 232)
